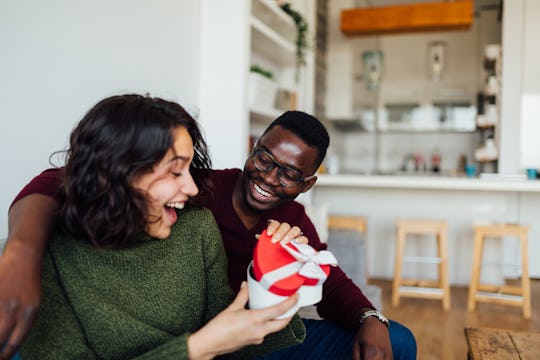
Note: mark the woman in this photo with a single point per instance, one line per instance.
(135, 268)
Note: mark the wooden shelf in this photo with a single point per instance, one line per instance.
(271, 45)
(486, 127)
(273, 34)
(407, 18)
(484, 161)
(270, 13)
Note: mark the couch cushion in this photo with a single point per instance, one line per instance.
(349, 247)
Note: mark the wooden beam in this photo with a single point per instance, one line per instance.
(407, 18)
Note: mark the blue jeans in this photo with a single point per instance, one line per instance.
(17, 355)
(328, 341)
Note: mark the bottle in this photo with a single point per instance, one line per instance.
(436, 161)
(409, 163)
(419, 163)
(462, 164)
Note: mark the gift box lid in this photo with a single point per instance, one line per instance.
(271, 257)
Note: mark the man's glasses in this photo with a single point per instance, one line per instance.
(287, 176)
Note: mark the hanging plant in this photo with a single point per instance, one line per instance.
(301, 36)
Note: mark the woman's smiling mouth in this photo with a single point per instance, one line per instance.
(177, 205)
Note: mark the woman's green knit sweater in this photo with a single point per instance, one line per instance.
(137, 303)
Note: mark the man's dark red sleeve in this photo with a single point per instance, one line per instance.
(47, 183)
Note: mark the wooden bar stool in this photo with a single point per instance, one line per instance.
(506, 295)
(347, 222)
(417, 288)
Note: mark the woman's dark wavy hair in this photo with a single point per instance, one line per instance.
(119, 139)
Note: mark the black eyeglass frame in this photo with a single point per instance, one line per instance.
(300, 179)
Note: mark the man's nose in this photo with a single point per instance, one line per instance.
(272, 176)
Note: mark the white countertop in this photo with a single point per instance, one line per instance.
(427, 183)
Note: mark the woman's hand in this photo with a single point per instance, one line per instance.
(236, 327)
(283, 232)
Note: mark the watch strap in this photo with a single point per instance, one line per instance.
(376, 314)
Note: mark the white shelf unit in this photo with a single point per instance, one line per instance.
(492, 107)
(270, 44)
(234, 36)
(273, 47)
(273, 32)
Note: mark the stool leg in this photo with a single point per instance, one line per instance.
(525, 281)
(476, 267)
(397, 265)
(443, 269)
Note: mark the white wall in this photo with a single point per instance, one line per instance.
(60, 57)
(512, 80)
(225, 64)
(521, 87)
(405, 79)
(339, 79)
(530, 100)
(529, 150)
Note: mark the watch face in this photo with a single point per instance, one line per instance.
(383, 319)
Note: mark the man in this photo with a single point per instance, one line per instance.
(282, 165)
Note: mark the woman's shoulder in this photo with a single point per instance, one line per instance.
(195, 220)
(192, 214)
(197, 231)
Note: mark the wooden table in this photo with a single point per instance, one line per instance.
(495, 344)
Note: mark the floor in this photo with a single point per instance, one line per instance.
(439, 334)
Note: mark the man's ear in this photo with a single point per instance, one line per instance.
(309, 184)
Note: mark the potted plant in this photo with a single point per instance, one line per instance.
(261, 88)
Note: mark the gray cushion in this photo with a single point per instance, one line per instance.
(349, 247)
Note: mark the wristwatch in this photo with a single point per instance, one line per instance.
(377, 314)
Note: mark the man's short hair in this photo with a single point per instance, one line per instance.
(306, 127)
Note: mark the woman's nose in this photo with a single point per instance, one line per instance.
(189, 187)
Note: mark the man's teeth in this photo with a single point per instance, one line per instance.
(178, 205)
(261, 191)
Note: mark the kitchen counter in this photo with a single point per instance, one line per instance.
(427, 182)
(461, 201)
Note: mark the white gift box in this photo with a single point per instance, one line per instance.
(260, 298)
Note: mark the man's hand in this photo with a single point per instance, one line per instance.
(31, 220)
(20, 295)
(283, 232)
(372, 341)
